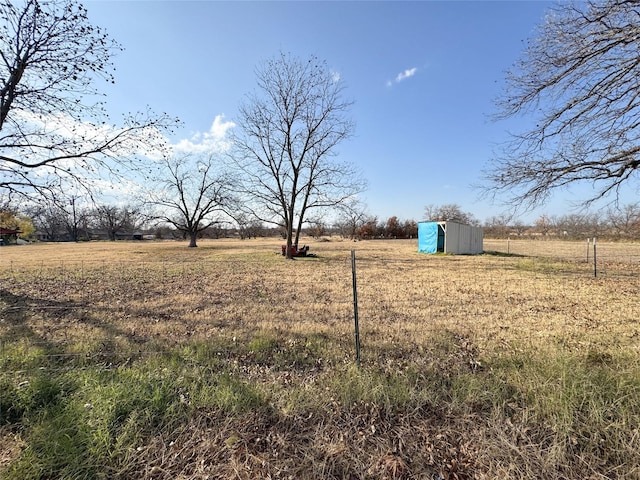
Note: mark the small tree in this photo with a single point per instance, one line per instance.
(497, 226)
(573, 226)
(410, 228)
(75, 216)
(48, 220)
(247, 225)
(625, 220)
(368, 229)
(317, 227)
(352, 215)
(192, 195)
(449, 212)
(393, 228)
(545, 225)
(66, 219)
(288, 136)
(519, 227)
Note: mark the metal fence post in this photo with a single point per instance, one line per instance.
(588, 241)
(595, 267)
(355, 306)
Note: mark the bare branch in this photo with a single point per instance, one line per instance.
(53, 128)
(579, 80)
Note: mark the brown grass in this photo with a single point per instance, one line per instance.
(402, 293)
(287, 327)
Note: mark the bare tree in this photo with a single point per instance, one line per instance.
(285, 150)
(192, 195)
(114, 220)
(352, 215)
(624, 220)
(519, 227)
(47, 221)
(53, 129)
(65, 219)
(76, 216)
(497, 226)
(578, 79)
(247, 225)
(317, 226)
(572, 225)
(449, 212)
(545, 225)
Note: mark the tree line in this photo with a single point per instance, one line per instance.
(620, 222)
(614, 223)
(109, 222)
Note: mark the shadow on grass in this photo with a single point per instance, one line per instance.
(495, 253)
(32, 322)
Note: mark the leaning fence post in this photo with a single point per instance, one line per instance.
(355, 306)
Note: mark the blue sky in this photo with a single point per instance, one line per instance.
(423, 76)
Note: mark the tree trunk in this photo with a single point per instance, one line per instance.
(303, 211)
(298, 229)
(192, 239)
(289, 240)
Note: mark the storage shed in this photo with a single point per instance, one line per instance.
(449, 237)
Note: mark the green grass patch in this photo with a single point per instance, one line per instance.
(294, 352)
(352, 385)
(574, 404)
(83, 423)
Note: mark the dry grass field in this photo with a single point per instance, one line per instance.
(153, 360)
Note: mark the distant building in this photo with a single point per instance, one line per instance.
(8, 235)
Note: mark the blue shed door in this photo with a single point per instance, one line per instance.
(428, 237)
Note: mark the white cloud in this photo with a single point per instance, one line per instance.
(214, 140)
(406, 74)
(410, 72)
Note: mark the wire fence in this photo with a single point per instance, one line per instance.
(58, 315)
(599, 258)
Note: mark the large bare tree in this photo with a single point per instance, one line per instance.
(191, 194)
(53, 126)
(286, 146)
(578, 81)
